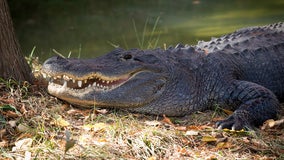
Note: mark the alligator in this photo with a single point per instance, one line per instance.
(242, 71)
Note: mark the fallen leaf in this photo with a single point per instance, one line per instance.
(79, 112)
(64, 107)
(96, 127)
(88, 127)
(185, 141)
(224, 145)
(259, 143)
(7, 100)
(191, 133)
(28, 155)
(100, 142)
(22, 128)
(245, 140)
(271, 123)
(100, 127)
(211, 157)
(4, 143)
(152, 123)
(85, 138)
(152, 158)
(208, 139)
(23, 144)
(193, 127)
(61, 122)
(229, 112)
(10, 111)
(241, 132)
(183, 151)
(207, 128)
(181, 128)
(25, 135)
(215, 119)
(101, 111)
(12, 123)
(2, 132)
(23, 109)
(167, 120)
(11, 114)
(222, 139)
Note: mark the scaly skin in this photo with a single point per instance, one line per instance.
(242, 71)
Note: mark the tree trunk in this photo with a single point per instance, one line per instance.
(12, 62)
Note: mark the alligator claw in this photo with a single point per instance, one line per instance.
(234, 122)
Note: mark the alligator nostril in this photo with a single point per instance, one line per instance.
(127, 56)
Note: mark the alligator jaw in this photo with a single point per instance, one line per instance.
(105, 91)
(94, 81)
(81, 90)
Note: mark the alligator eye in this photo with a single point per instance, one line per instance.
(127, 56)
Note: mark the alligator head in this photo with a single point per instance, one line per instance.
(118, 79)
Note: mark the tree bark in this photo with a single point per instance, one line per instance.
(12, 62)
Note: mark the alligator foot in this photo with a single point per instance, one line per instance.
(257, 104)
(236, 121)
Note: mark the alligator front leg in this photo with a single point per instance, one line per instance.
(257, 104)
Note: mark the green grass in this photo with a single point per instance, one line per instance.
(144, 40)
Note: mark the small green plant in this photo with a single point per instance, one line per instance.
(219, 110)
(79, 51)
(153, 38)
(31, 57)
(70, 53)
(14, 87)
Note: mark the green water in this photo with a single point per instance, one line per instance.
(89, 28)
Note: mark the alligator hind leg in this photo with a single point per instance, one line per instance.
(257, 104)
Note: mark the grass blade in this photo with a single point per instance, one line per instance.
(136, 33)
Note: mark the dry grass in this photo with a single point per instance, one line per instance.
(34, 125)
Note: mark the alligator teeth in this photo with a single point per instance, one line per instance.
(89, 82)
(64, 84)
(66, 77)
(79, 83)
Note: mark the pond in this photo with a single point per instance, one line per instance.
(89, 28)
